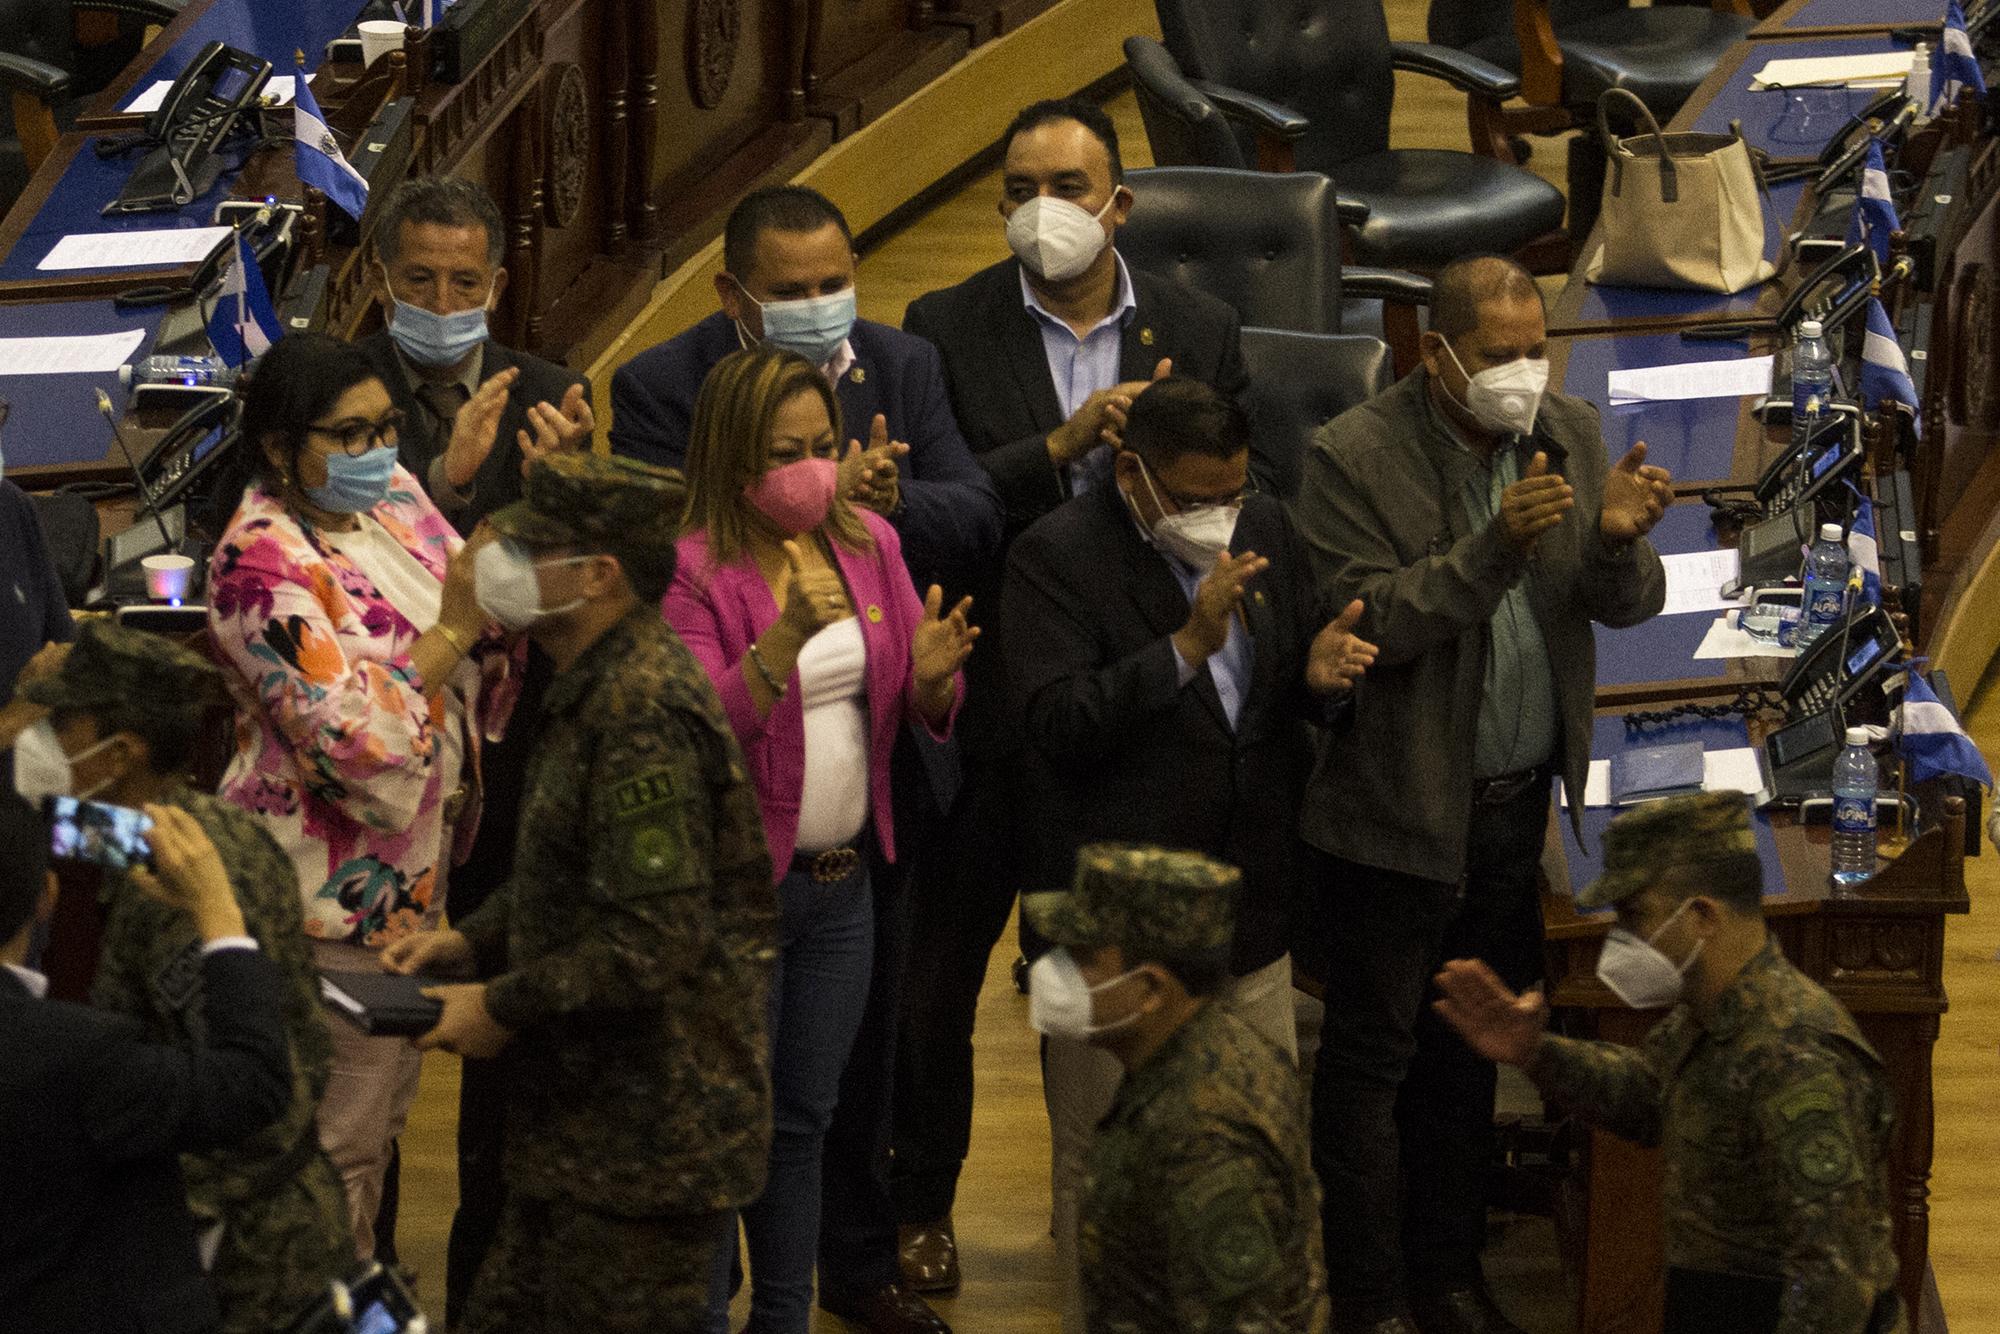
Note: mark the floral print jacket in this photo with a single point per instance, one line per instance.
(336, 745)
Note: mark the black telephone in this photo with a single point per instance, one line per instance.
(1830, 293)
(1830, 454)
(197, 114)
(1847, 657)
(1882, 116)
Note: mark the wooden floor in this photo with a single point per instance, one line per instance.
(1003, 1206)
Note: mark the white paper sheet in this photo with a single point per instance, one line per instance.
(1885, 69)
(1724, 640)
(1732, 770)
(1695, 579)
(1691, 379)
(278, 86)
(120, 250)
(68, 355)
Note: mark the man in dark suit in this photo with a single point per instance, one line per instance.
(438, 274)
(789, 280)
(1165, 647)
(1043, 355)
(789, 272)
(93, 1212)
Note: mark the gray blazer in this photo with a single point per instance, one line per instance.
(1393, 787)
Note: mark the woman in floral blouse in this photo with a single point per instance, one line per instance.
(364, 676)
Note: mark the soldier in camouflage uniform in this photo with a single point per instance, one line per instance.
(628, 956)
(1771, 1110)
(128, 705)
(1200, 1211)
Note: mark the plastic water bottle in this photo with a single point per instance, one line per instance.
(189, 371)
(1854, 784)
(1826, 585)
(1812, 380)
(1917, 87)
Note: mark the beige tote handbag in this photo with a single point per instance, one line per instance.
(1680, 210)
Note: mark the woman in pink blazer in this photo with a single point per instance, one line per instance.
(801, 609)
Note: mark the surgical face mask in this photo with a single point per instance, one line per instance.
(1638, 973)
(435, 340)
(1505, 398)
(1059, 999)
(1056, 239)
(42, 768)
(812, 326)
(355, 483)
(1196, 535)
(796, 496)
(506, 588)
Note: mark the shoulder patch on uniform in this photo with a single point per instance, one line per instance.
(1807, 1124)
(652, 788)
(653, 852)
(1226, 1231)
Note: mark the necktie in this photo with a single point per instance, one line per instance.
(442, 402)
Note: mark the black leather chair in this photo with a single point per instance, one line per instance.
(1310, 84)
(1268, 243)
(47, 76)
(1576, 49)
(1298, 383)
(70, 531)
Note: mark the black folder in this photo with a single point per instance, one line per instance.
(382, 1004)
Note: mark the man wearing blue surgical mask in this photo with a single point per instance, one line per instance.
(436, 275)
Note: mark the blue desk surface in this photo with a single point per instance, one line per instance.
(1695, 439)
(1865, 13)
(1775, 121)
(54, 418)
(87, 185)
(263, 28)
(1608, 737)
(1662, 649)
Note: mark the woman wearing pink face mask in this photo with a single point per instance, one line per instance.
(800, 608)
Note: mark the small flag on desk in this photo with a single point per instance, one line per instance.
(1954, 66)
(1930, 738)
(1885, 372)
(321, 164)
(243, 322)
(1874, 212)
(1861, 548)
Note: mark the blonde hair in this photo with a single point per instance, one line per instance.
(729, 447)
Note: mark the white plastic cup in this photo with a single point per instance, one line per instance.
(167, 577)
(379, 37)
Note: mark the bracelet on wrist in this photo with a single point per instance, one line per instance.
(764, 670)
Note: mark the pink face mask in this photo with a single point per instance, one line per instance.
(796, 496)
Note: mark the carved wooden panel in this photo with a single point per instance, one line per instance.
(568, 144)
(1876, 952)
(714, 26)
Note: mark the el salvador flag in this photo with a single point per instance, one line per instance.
(243, 323)
(1874, 212)
(320, 162)
(1954, 66)
(1885, 372)
(1861, 548)
(1930, 738)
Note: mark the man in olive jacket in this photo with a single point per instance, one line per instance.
(1479, 524)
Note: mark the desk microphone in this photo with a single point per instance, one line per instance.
(132, 462)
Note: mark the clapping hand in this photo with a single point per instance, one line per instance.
(814, 598)
(939, 647)
(1100, 419)
(557, 429)
(869, 476)
(476, 426)
(1636, 494)
(1535, 504)
(1216, 599)
(1494, 1022)
(1338, 657)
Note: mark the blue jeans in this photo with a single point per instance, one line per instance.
(826, 939)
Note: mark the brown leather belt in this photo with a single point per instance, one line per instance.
(829, 867)
(1503, 788)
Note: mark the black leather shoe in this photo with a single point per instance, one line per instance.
(893, 1309)
(1466, 1310)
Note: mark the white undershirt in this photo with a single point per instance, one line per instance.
(833, 675)
(419, 595)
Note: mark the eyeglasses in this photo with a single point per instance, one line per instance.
(1182, 502)
(356, 437)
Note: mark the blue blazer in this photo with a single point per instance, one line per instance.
(950, 521)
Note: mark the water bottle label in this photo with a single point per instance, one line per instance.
(1854, 815)
(1826, 605)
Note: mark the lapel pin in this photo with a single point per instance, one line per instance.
(874, 614)
(858, 375)
(1146, 336)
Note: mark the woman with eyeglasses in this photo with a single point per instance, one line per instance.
(799, 606)
(364, 675)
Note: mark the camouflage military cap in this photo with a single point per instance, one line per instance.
(1150, 902)
(1680, 831)
(121, 675)
(585, 498)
